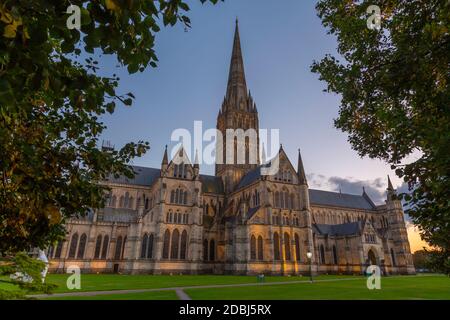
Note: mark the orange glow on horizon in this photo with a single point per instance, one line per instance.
(415, 241)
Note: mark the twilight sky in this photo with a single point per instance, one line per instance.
(280, 40)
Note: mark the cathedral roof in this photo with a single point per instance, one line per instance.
(343, 229)
(211, 184)
(336, 199)
(252, 211)
(249, 178)
(147, 176)
(143, 177)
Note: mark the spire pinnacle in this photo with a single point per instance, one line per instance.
(390, 187)
(237, 86)
(391, 194)
(300, 170)
(165, 157)
(196, 162)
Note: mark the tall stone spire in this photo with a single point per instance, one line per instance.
(300, 170)
(237, 87)
(238, 111)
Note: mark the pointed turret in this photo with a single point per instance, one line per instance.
(196, 164)
(165, 161)
(390, 187)
(237, 86)
(165, 157)
(300, 170)
(390, 190)
(263, 154)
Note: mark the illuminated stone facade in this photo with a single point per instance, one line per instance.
(175, 220)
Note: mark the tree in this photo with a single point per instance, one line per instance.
(394, 88)
(21, 265)
(420, 259)
(51, 98)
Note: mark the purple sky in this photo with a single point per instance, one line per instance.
(280, 40)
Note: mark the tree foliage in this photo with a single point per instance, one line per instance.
(22, 264)
(394, 84)
(51, 98)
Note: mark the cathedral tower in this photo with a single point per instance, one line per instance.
(238, 112)
(401, 252)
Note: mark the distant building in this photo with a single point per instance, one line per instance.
(175, 220)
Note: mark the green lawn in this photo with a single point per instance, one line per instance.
(395, 288)
(338, 287)
(102, 282)
(154, 295)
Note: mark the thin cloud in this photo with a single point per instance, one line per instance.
(376, 189)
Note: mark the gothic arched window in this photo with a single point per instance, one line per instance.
(181, 199)
(276, 246)
(82, 246)
(113, 201)
(166, 244)
(98, 247)
(130, 203)
(297, 247)
(73, 246)
(105, 247)
(205, 250)
(118, 250)
(212, 250)
(177, 196)
(183, 245)
(58, 250)
(286, 200)
(253, 248)
(144, 246)
(260, 249)
(175, 244)
(123, 247)
(394, 262)
(150, 247)
(322, 254)
(126, 201)
(277, 199)
(335, 257)
(287, 246)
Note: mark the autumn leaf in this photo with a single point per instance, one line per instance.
(112, 5)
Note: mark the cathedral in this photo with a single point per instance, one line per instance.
(174, 220)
